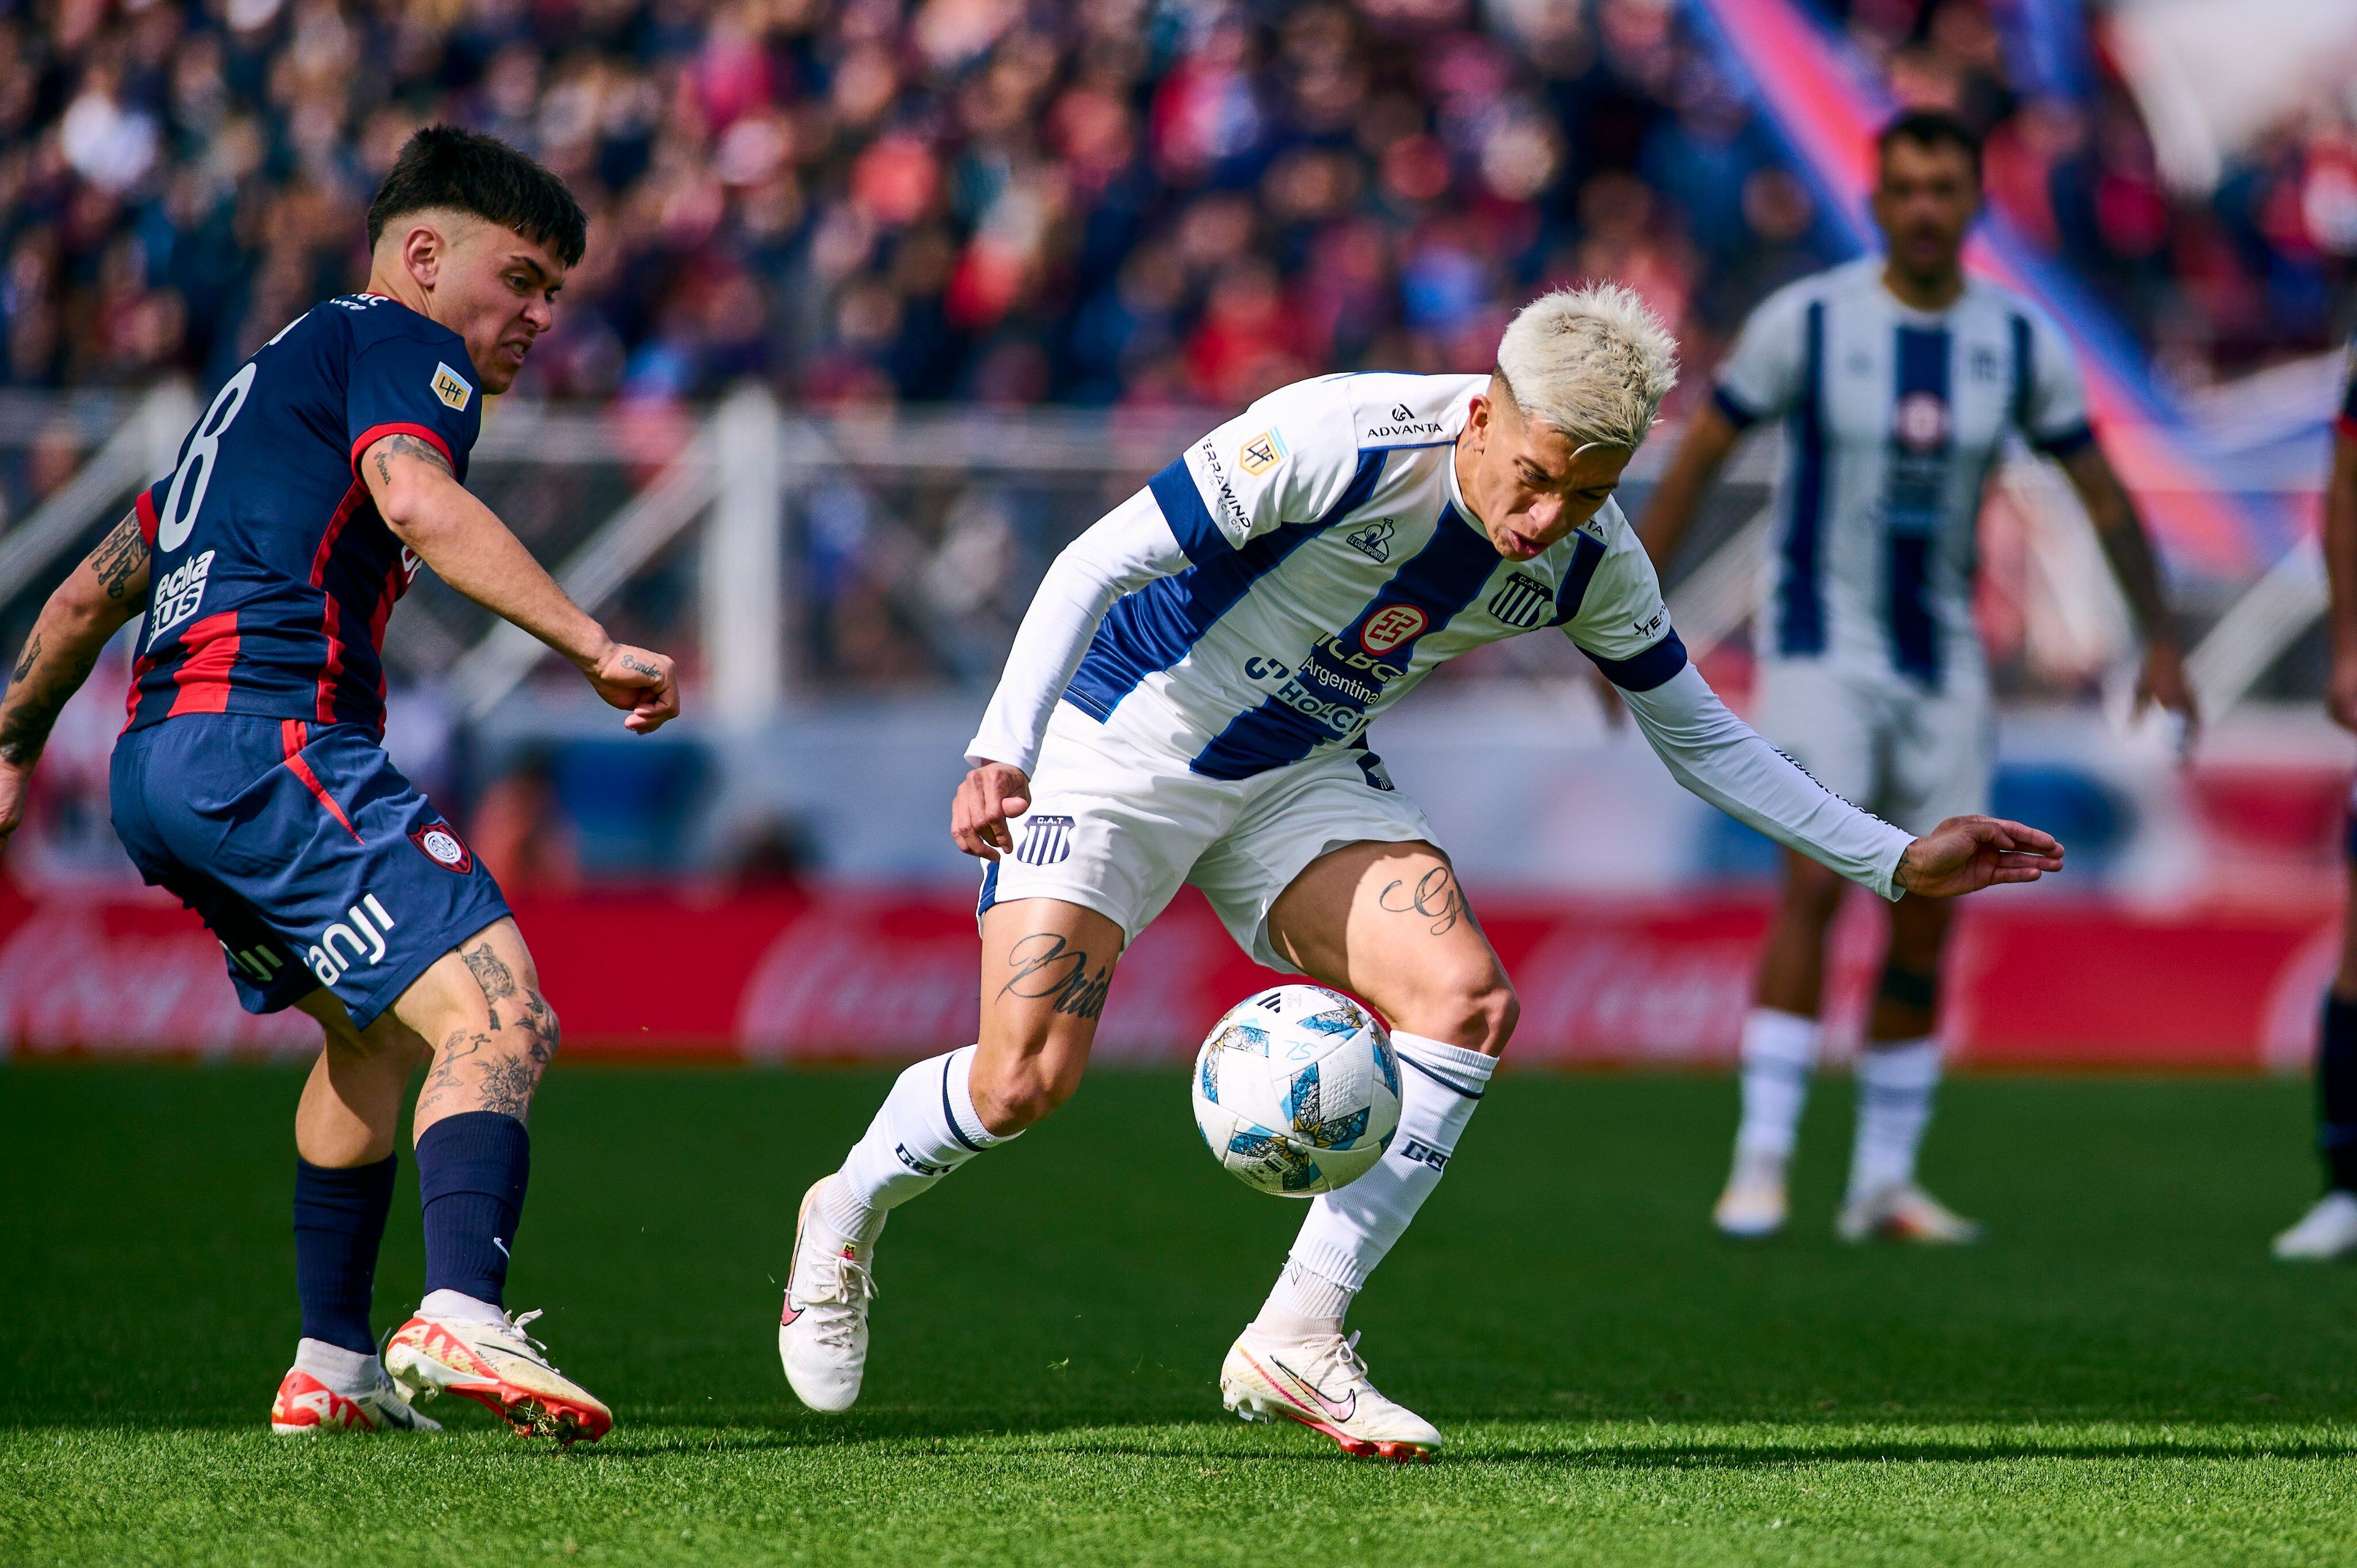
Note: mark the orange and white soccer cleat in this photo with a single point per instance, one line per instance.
(1905, 1212)
(1321, 1382)
(501, 1368)
(306, 1407)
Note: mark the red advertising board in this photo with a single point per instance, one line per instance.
(859, 974)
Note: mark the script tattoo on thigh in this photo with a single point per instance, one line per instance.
(1436, 896)
(1047, 967)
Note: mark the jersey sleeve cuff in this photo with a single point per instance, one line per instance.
(2062, 442)
(145, 508)
(1731, 410)
(1644, 671)
(376, 432)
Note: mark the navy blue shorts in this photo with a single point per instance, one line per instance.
(304, 850)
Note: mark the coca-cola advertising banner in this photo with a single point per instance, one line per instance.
(837, 974)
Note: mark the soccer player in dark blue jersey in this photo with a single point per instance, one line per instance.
(250, 780)
(2329, 1229)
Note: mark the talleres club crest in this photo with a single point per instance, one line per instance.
(440, 844)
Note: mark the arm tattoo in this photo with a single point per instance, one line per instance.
(1436, 896)
(120, 557)
(497, 978)
(1058, 974)
(392, 446)
(42, 681)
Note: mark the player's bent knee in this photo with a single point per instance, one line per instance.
(1476, 1013)
(1012, 1095)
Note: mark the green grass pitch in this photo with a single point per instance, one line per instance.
(2119, 1376)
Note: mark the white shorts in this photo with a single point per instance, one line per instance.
(1116, 829)
(1881, 742)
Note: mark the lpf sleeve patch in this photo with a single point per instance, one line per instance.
(1262, 453)
(440, 843)
(451, 387)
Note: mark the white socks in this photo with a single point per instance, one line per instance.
(1780, 1052)
(457, 1306)
(1347, 1232)
(927, 1128)
(1895, 1086)
(346, 1372)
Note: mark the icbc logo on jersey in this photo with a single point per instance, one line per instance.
(1921, 421)
(439, 844)
(1389, 627)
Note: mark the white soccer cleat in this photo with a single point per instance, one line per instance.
(1905, 1212)
(1753, 1206)
(306, 1407)
(1321, 1383)
(823, 1330)
(2328, 1231)
(501, 1368)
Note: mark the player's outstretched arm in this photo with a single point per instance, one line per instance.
(2129, 550)
(1724, 760)
(1964, 854)
(470, 549)
(90, 606)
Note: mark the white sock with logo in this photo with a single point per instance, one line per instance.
(1896, 1083)
(1348, 1233)
(1780, 1052)
(926, 1128)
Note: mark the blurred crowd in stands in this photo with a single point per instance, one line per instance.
(1012, 201)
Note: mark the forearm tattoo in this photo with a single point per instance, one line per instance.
(1436, 896)
(1047, 969)
(41, 683)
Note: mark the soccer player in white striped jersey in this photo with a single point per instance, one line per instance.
(1188, 701)
(1898, 380)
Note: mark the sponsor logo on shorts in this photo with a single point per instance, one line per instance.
(1389, 627)
(1521, 601)
(440, 843)
(1378, 776)
(1046, 841)
(1375, 541)
(177, 593)
(1416, 1152)
(452, 388)
(353, 942)
(258, 964)
(1262, 453)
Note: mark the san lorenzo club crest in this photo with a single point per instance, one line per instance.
(440, 843)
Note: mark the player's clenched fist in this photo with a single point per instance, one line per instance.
(641, 681)
(991, 793)
(1964, 854)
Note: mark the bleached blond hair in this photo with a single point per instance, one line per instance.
(1594, 362)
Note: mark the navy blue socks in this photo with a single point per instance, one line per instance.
(471, 1173)
(338, 1222)
(2336, 1094)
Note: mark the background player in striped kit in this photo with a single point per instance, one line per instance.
(2329, 1229)
(1899, 378)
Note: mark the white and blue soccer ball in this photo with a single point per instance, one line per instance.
(1298, 1091)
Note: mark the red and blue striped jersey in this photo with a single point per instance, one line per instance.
(272, 574)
